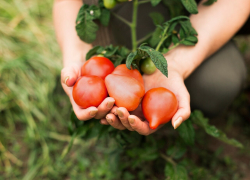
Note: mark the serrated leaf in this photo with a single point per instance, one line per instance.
(175, 7)
(155, 2)
(92, 52)
(192, 39)
(190, 5)
(188, 28)
(105, 17)
(187, 43)
(209, 2)
(111, 51)
(157, 18)
(130, 59)
(186, 132)
(85, 27)
(176, 172)
(175, 39)
(198, 118)
(157, 58)
(182, 33)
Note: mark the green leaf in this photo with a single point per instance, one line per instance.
(85, 27)
(187, 43)
(157, 58)
(176, 151)
(190, 5)
(198, 118)
(118, 61)
(92, 52)
(155, 2)
(130, 59)
(105, 17)
(182, 33)
(187, 133)
(157, 18)
(188, 28)
(175, 172)
(192, 39)
(175, 39)
(209, 2)
(156, 37)
(175, 7)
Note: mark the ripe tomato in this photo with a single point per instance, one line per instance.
(147, 66)
(89, 91)
(126, 91)
(159, 106)
(109, 4)
(124, 71)
(97, 66)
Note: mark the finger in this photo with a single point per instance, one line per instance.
(123, 116)
(83, 114)
(142, 127)
(69, 75)
(113, 110)
(105, 107)
(183, 111)
(104, 122)
(114, 121)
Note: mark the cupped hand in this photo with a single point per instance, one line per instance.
(120, 118)
(69, 76)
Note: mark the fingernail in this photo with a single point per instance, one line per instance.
(93, 112)
(120, 114)
(66, 79)
(177, 123)
(131, 120)
(109, 120)
(110, 104)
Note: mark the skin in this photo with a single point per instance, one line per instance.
(215, 25)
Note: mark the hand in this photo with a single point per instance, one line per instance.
(136, 122)
(69, 76)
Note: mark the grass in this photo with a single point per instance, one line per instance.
(34, 111)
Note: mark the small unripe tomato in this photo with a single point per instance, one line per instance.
(159, 105)
(147, 66)
(97, 66)
(109, 4)
(89, 91)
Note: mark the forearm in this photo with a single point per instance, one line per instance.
(64, 15)
(215, 24)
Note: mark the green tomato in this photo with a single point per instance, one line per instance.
(109, 4)
(147, 66)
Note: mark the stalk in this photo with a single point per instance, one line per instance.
(133, 25)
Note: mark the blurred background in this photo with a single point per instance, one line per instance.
(35, 112)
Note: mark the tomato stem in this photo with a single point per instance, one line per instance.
(144, 1)
(122, 19)
(168, 159)
(144, 38)
(133, 25)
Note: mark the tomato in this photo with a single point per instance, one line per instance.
(89, 91)
(147, 66)
(123, 70)
(97, 66)
(126, 91)
(109, 4)
(159, 106)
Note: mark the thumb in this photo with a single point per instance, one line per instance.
(69, 75)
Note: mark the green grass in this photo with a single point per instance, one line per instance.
(35, 113)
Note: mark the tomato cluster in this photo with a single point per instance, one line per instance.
(99, 78)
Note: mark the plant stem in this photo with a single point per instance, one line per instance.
(145, 1)
(160, 43)
(144, 38)
(168, 159)
(122, 19)
(133, 25)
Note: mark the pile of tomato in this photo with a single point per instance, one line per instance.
(100, 79)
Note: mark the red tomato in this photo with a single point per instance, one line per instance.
(89, 91)
(97, 66)
(159, 106)
(124, 71)
(126, 91)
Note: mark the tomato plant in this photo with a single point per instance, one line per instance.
(159, 106)
(126, 91)
(97, 66)
(147, 66)
(89, 91)
(123, 70)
